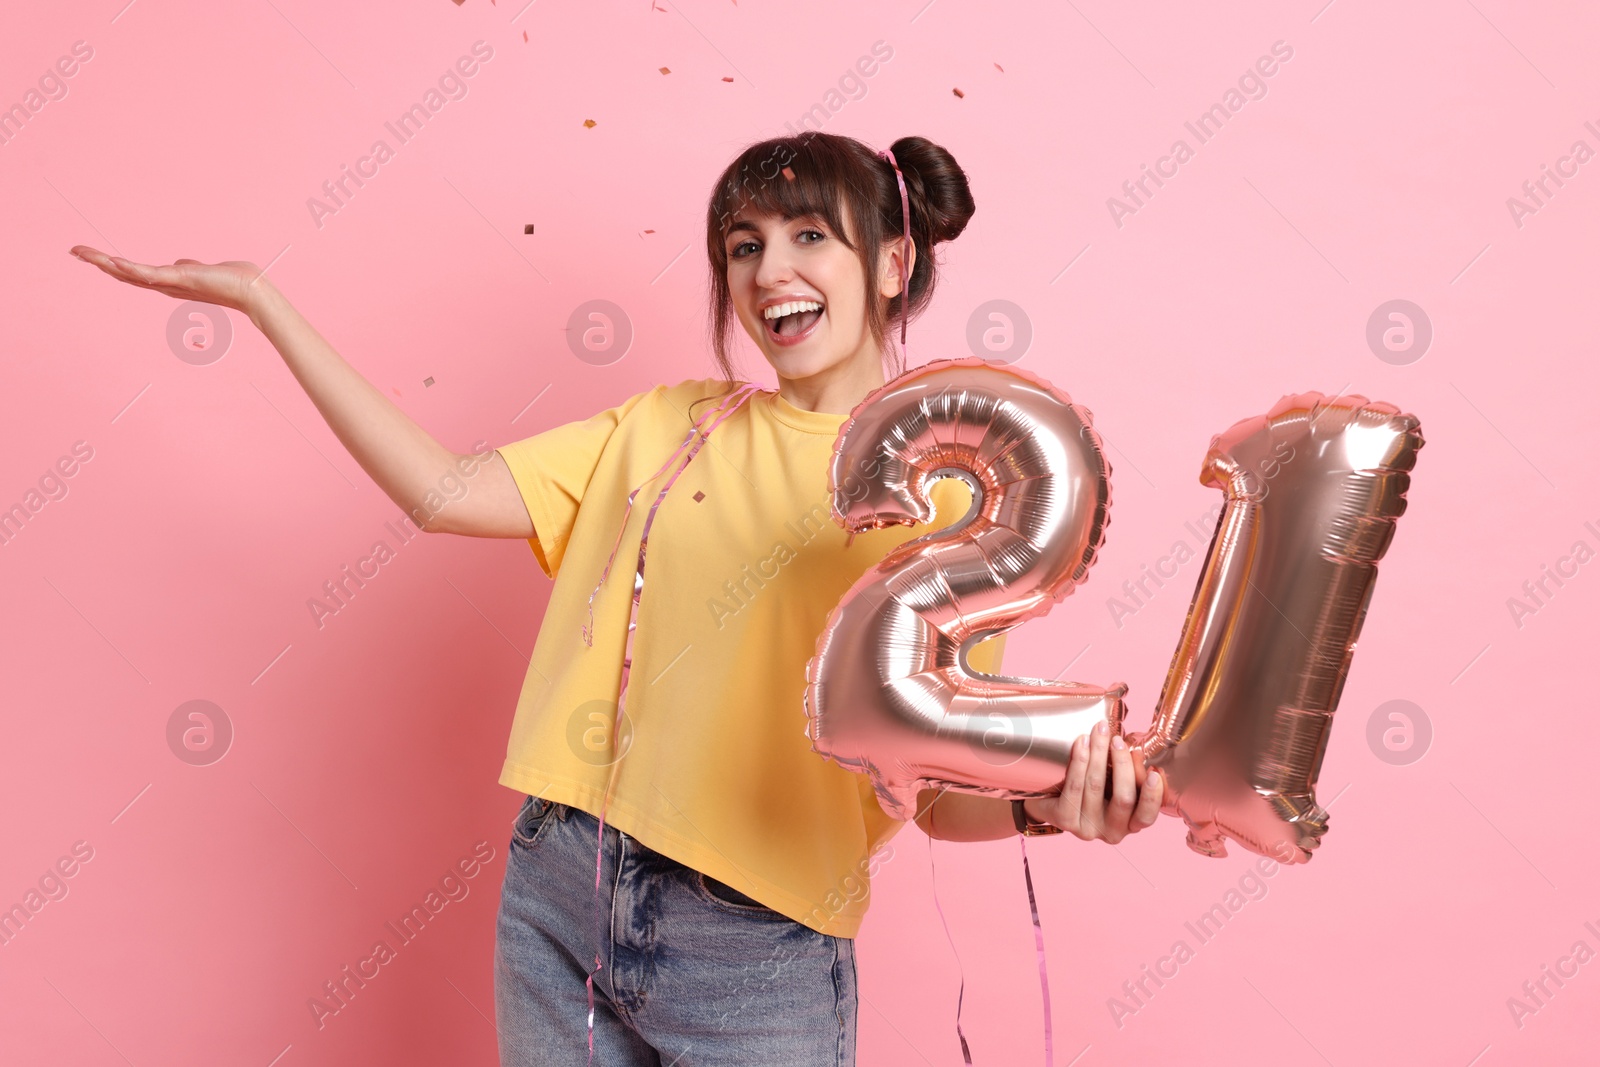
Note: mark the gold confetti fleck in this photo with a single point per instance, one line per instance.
(665, 70)
(588, 123)
(959, 93)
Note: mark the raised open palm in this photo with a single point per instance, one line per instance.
(233, 284)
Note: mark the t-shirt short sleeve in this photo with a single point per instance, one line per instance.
(552, 470)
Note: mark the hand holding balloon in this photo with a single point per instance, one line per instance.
(1093, 808)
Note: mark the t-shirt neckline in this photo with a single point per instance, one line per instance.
(819, 422)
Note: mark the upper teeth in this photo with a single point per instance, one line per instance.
(777, 311)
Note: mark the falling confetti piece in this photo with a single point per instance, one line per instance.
(427, 382)
(664, 70)
(528, 228)
(959, 93)
(588, 122)
(727, 79)
(699, 495)
(524, 36)
(1001, 69)
(649, 231)
(460, 2)
(787, 173)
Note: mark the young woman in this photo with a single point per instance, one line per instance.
(732, 865)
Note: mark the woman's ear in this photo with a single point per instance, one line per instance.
(889, 265)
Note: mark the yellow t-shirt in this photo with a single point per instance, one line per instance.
(717, 771)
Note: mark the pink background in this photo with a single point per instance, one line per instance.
(179, 562)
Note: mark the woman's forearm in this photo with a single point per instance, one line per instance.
(405, 461)
(964, 816)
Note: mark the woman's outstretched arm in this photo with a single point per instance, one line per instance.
(404, 460)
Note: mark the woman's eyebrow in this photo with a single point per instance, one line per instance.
(748, 226)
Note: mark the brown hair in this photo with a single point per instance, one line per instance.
(815, 173)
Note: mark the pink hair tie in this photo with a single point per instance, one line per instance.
(905, 251)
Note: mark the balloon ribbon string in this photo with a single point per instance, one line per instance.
(966, 1052)
(725, 408)
(1038, 944)
(713, 418)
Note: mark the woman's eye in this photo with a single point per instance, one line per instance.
(739, 253)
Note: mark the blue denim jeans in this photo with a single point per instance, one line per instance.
(694, 973)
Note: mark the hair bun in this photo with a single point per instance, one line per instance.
(937, 187)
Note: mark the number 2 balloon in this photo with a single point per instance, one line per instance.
(1312, 491)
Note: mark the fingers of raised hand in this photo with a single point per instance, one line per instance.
(174, 281)
(151, 277)
(128, 270)
(98, 258)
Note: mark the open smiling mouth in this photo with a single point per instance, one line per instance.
(801, 317)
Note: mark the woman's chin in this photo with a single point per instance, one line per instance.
(802, 361)
(812, 356)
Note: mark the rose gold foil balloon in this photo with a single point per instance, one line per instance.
(1312, 493)
(888, 690)
(1312, 489)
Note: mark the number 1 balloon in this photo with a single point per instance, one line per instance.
(1312, 491)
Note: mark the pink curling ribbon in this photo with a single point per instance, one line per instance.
(933, 880)
(905, 251)
(699, 436)
(725, 408)
(1038, 944)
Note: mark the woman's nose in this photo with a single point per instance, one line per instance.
(775, 270)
